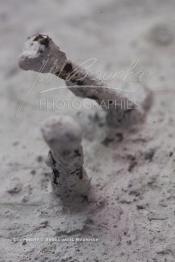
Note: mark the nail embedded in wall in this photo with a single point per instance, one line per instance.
(42, 55)
(63, 135)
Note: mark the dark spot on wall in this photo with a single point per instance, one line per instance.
(119, 137)
(68, 68)
(77, 152)
(150, 154)
(170, 154)
(129, 110)
(81, 173)
(80, 82)
(78, 172)
(133, 163)
(65, 72)
(84, 198)
(39, 159)
(56, 175)
(43, 40)
(55, 171)
(107, 141)
(51, 158)
(93, 97)
(38, 37)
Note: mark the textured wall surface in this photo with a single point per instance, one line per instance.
(132, 211)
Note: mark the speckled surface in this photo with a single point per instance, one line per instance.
(130, 216)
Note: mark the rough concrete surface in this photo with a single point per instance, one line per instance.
(131, 213)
